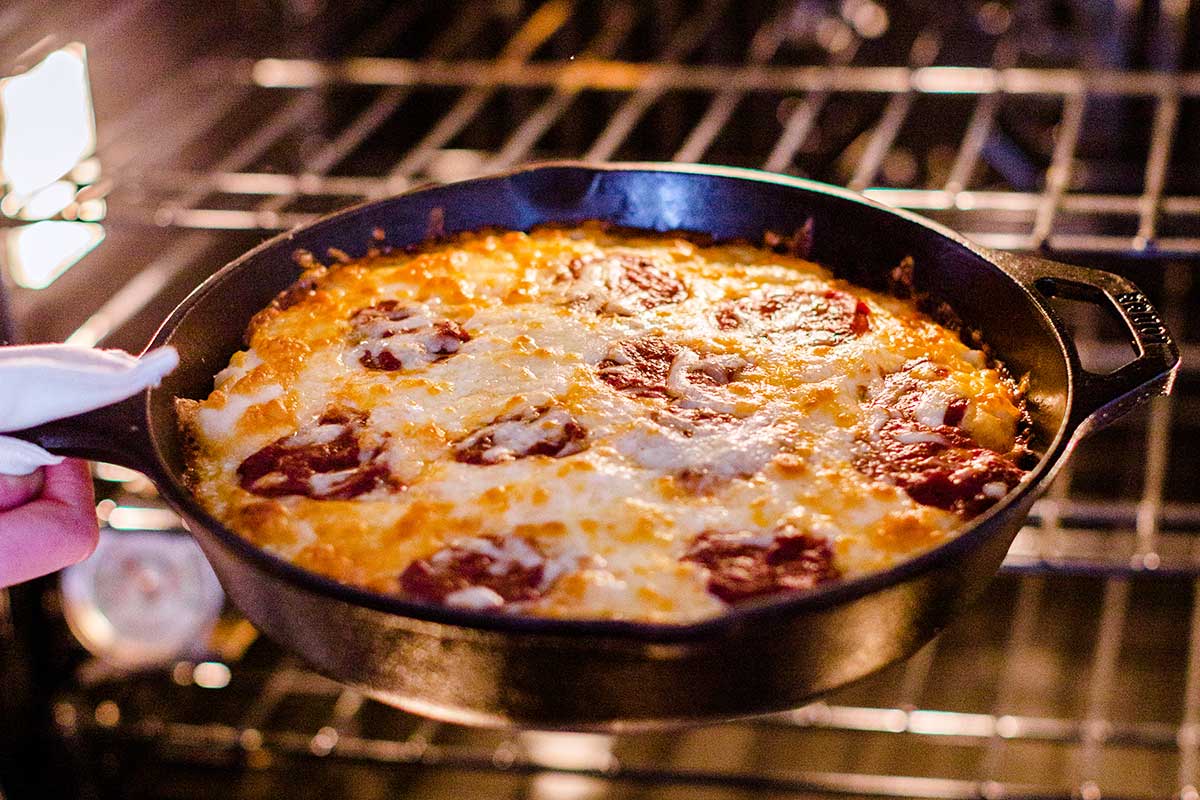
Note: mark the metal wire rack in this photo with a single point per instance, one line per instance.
(1032, 696)
(1079, 674)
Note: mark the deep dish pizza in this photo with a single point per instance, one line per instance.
(578, 422)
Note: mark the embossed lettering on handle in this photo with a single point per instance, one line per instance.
(1143, 317)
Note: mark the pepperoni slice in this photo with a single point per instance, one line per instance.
(689, 369)
(645, 283)
(941, 467)
(392, 336)
(920, 448)
(742, 565)
(540, 431)
(771, 311)
(324, 461)
(956, 411)
(651, 366)
(623, 283)
(640, 366)
(688, 421)
(484, 572)
(907, 394)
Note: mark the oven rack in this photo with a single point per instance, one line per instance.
(1047, 209)
(1032, 218)
(1029, 696)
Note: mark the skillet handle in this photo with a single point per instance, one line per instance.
(115, 433)
(1100, 400)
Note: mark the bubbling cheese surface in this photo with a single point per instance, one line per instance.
(575, 422)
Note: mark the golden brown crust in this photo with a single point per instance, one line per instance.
(302, 288)
(185, 416)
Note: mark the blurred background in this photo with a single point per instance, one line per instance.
(144, 144)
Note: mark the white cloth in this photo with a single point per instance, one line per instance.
(42, 382)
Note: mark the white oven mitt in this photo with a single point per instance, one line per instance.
(42, 382)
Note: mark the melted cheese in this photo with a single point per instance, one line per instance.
(614, 519)
(220, 421)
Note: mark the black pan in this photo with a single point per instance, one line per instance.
(480, 668)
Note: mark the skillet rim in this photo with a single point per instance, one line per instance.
(467, 622)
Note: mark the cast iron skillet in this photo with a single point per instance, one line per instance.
(479, 668)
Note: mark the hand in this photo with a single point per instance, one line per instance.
(47, 521)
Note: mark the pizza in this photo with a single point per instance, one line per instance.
(584, 422)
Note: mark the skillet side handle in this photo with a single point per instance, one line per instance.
(1102, 399)
(115, 433)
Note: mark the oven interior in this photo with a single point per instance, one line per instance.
(1059, 126)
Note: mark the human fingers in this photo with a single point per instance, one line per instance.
(53, 530)
(17, 490)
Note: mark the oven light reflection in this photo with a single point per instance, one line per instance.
(114, 472)
(211, 675)
(38, 254)
(870, 20)
(955, 80)
(48, 126)
(48, 201)
(108, 714)
(951, 723)
(103, 509)
(568, 750)
(135, 518)
(86, 171)
(92, 210)
(566, 787)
